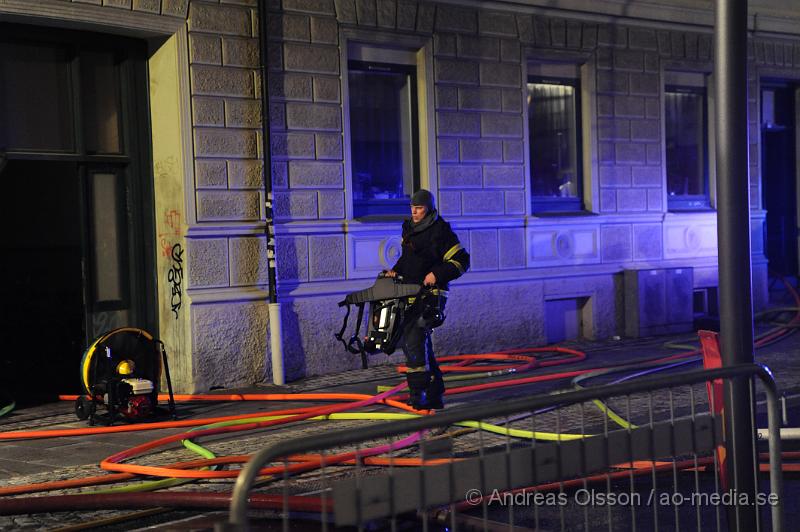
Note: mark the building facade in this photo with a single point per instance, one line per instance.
(570, 147)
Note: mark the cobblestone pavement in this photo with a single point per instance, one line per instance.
(34, 461)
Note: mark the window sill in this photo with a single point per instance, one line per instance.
(381, 218)
(563, 214)
(694, 210)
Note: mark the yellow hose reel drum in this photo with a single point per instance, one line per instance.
(121, 370)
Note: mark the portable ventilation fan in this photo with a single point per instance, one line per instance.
(121, 371)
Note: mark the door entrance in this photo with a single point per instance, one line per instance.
(779, 159)
(43, 322)
(78, 255)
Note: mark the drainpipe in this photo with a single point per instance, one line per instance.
(275, 330)
(733, 230)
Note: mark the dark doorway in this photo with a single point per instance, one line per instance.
(779, 175)
(43, 326)
(78, 252)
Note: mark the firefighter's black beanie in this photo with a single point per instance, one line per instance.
(424, 197)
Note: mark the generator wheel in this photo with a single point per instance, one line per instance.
(84, 407)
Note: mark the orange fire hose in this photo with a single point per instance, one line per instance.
(462, 363)
(20, 435)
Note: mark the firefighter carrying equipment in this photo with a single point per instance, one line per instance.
(391, 302)
(121, 371)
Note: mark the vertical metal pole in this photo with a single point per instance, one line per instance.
(733, 229)
(275, 329)
(266, 146)
(775, 456)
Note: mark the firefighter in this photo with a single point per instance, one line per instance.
(432, 256)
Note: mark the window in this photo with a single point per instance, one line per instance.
(384, 136)
(779, 165)
(36, 104)
(686, 138)
(554, 129)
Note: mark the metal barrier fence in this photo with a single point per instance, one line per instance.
(645, 455)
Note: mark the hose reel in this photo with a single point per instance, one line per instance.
(121, 372)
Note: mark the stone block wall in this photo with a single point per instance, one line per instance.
(479, 123)
(224, 64)
(173, 8)
(480, 160)
(229, 321)
(306, 138)
(629, 121)
(477, 69)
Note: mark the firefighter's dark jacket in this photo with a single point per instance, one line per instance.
(431, 246)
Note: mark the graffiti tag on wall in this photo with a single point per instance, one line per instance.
(172, 220)
(175, 278)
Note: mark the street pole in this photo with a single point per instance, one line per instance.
(733, 230)
(274, 306)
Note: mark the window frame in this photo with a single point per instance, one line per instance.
(388, 207)
(76, 43)
(547, 204)
(421, 48)
(538, 61)
(681, 82)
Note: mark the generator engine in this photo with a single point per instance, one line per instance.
(121, 371)
(131, 397)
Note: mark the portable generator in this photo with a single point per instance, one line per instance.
(121, 372)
